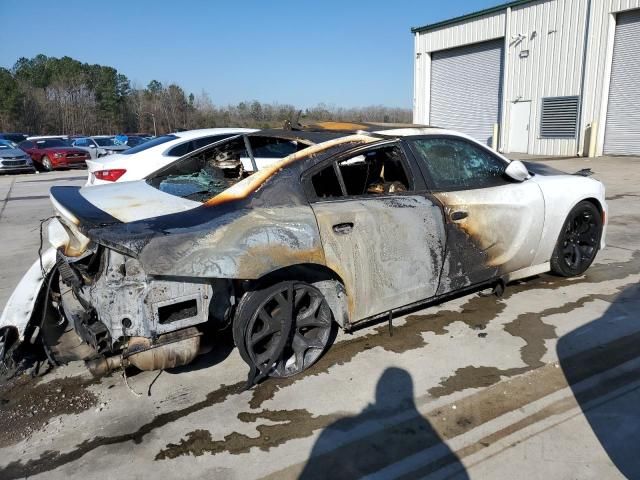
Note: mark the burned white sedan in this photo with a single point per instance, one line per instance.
(358, 223)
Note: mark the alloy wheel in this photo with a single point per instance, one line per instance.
(290, 330)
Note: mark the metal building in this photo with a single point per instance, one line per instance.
(545, 77)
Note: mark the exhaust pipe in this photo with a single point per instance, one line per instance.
(170, 350)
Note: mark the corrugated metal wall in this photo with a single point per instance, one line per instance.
(545, 63)
(466, 89)
(598, 65)
(553, 66)
(478, 30)
(622, 129)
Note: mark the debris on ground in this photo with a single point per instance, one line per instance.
(27, 404)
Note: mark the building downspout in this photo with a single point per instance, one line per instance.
(580, 132)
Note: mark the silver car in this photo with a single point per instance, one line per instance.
(100, 145)
(13, 159)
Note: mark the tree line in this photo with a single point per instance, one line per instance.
(48, 95)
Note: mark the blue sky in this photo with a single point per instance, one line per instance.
(343, 53)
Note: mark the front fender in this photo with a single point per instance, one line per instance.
(19, 310)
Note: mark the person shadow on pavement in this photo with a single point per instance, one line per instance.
(388, 439)
(601, 362)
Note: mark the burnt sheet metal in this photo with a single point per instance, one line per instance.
(382, 268)
(239, 245)
(354, 127)
(500, 232)
(310, 137)
(82, 212)
(128, 302)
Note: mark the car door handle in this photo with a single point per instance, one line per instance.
(459, 215)
(343, 228)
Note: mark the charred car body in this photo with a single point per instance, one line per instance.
(361, 221)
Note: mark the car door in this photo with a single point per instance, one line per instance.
(381, 231)
(493, 223)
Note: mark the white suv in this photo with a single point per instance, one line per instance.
(138, 162)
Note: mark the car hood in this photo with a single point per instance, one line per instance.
(114, 203)
(8, 153)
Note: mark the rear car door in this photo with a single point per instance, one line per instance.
(380, 229)
(493, 223)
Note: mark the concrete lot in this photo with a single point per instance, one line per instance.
(542, 383)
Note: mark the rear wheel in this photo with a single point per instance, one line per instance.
(578, 242)
(46, 163)
(283, 329)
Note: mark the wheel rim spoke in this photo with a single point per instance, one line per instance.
(270, 327)
(577, 255)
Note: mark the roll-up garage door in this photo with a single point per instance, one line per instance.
(622, 132)
(466, 89)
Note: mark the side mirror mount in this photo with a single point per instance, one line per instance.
(517, 171)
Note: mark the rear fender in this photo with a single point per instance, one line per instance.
(19, 311)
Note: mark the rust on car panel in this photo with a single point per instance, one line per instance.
(250, 184)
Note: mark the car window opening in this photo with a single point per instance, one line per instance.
(203, 175)
(375, 172)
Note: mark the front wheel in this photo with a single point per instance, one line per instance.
(46, 163)
(283, 329)
(578, 242)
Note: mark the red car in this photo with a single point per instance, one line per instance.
(52, 153)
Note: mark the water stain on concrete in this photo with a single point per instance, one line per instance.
(529, 327)
(473, 377)
(292, 424)
(51, 460)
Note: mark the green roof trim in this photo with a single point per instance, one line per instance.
(469, 16)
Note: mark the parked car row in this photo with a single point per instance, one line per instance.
(50, 152)
(119, 158)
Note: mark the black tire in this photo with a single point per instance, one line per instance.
(578, 242)
(8, 345)
(46, 164)
(258, 327)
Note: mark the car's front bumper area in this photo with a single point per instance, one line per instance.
(16, 165)
(22, 169)
(62, 163)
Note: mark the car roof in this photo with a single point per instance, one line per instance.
(48, 137)
(203, 132)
